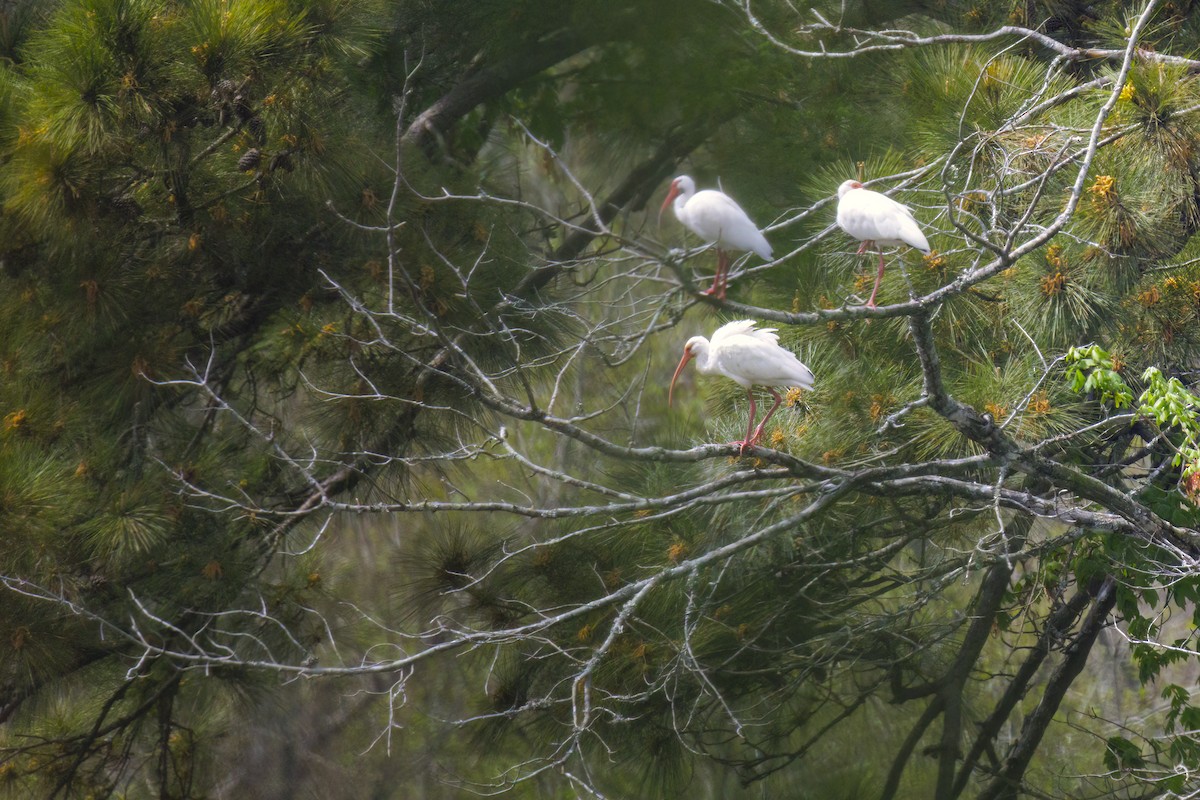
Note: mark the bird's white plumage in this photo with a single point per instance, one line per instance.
(715, 217)
(749, 356)
(873, 217)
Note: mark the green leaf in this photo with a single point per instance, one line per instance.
(1122, 754)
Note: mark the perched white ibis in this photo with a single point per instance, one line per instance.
(878, 221)
(715, 217)
(747, 356)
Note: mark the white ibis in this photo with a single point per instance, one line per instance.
(715, 217)
(878, 221)
(747, 356)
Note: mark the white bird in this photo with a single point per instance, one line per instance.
(715, 217)
(747, 356)
(878, 221)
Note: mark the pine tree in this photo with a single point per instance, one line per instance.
(273, 267)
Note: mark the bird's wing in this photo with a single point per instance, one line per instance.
(716, 217)
(764, 334)
(899, 225)
(876, 217)
(912, 235)
(736, 328)
(749, 359)
(744, 327)
(719, 202)
(800, 374)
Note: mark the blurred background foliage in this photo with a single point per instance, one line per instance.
(184, 184)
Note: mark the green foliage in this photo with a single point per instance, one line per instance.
(1123, 754)
(1169, 404)
(1092, 369)
(1166, 401)
(237, 317)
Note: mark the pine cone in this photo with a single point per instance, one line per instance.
(282, 161)
(257, 128)
(127, 207)
(249, 160)
(242, 108)
(221, 94)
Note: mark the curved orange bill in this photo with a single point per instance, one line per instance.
(671, 195)
(687, 356)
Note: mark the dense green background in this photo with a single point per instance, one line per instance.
(222, 314)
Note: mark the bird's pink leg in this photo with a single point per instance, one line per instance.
(862, 248)
(749, 428)
(724, 267)
(878, 278)
(762, 425)
(717, 289)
